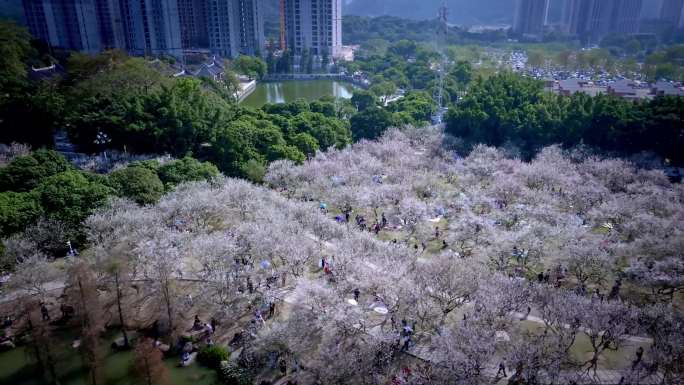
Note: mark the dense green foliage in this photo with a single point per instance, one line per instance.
(508, 108)
(17, 211)
(234, 374)
(368, 31)
(186, 170)
(407, 65)
(26, 172)
(251, 66)
(26, 111)
(211, 356)
(46, 199)
(152, 113)
(371, 123)
(667, 63)
(139, 184)
(71, 196)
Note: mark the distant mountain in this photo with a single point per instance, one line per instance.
(463, 12)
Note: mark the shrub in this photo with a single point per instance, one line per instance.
(186, 170)
(137, 183)
(26, 172)
(232, 374)
(211, 356)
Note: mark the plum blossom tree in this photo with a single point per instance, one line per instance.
(663, 278)
(606, 324)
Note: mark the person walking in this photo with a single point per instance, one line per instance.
(639, 355)
(502, 370)
(44, 312)
(258, 317)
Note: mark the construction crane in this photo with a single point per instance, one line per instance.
(443, 64)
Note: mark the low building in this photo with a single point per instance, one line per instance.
(213, 69)
(624, 88)
(666, 89)
(570, 87)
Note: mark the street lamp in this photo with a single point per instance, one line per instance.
(102, 139)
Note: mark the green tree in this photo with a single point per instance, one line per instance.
(15, 49)
(324, 106)
(328, 132)
(404, 48)
(211, 356)
(17, 211)
(462, 73)
(306, 143)
(371, 123)
(250, 66)
(383, 91)
(71, 196)
(418, 106)
(231, 148)
(254, 170)
(284, 64)
(138, 184)
(287, 109)
(26, 172)
(186, 170)
(363, 100)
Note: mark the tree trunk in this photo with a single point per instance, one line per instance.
(148, 372)
(51, 365)
(118, 304)
(167, 299)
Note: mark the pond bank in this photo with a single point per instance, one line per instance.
(305, 77)
(285, 91)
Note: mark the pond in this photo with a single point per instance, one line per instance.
(291, 90)
(18, 369)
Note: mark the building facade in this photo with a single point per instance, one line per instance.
(192, 15)
(251, 27)
(530, 16)
(71, 24)
(671, 12)
(314, 26)
(153, 27)
(593, 20)
(235, 27)
(149, 27)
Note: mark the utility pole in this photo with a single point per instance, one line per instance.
(440, 43)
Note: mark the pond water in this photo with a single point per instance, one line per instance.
(288, 91)
(17, 369)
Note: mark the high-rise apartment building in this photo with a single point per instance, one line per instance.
(626, 16)
(314, 25)
(223, 29)
(251, 27)
(235, 27)
(153, 27)
(192, 15)
(671, 12)
(71, 24)
(530, 16)
(149, 27)
(595, 19)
